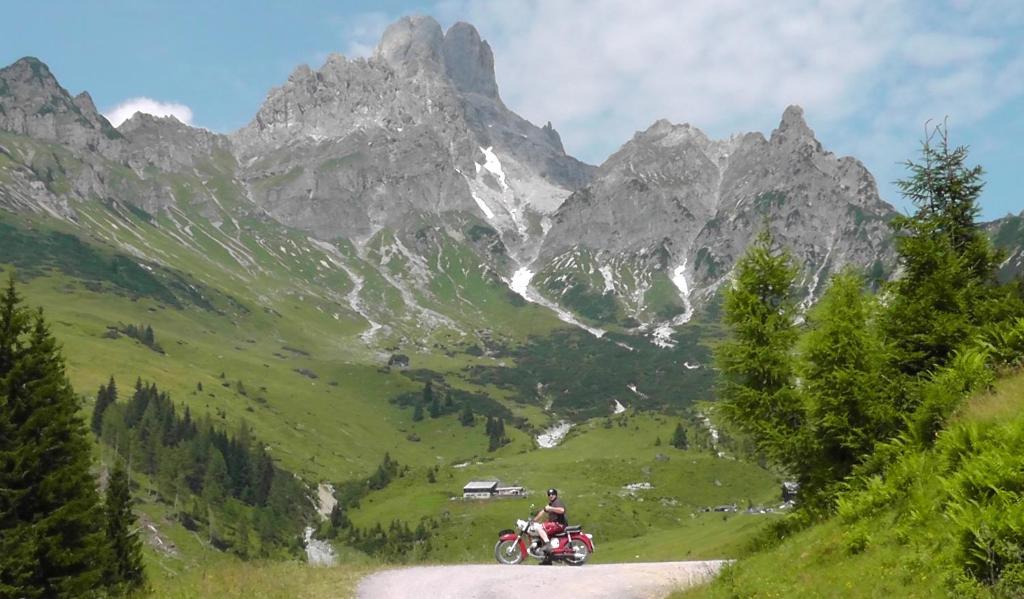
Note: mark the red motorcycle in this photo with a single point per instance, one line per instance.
(572, 545)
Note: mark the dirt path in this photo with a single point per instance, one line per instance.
(618, 581)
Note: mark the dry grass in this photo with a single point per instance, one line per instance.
(1005, 401)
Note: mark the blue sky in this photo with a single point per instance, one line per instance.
(868, 73)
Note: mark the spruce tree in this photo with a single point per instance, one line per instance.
(417, 413)
(51, 521)
(679, 440)
(102, 403)
(947, 287)
(124, 572)
(466, 417)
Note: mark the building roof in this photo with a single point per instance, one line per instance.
(480, 485)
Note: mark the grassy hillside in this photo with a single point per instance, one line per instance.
(258, 324)
(947, 520)
(591, 469)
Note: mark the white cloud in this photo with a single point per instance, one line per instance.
(125, 110)
(868, 72)
(362, 31)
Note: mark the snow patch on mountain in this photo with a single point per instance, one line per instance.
(483, 206)
(553, 435)
(520, 283)
(493, 166)
(662, 336)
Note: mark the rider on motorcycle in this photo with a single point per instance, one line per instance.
(557, 520)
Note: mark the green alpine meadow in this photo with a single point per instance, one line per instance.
(371, 327)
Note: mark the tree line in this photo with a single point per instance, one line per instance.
(225, 485)
(819, 393)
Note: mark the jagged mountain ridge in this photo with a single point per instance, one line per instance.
(419, 128)
(682, 207)
(416, 145)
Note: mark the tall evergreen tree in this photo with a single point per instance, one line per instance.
(948, 280)
(125, 571)
(679, 440)
(103, 401)
(757, 364)
(466, 417)
(51, 521)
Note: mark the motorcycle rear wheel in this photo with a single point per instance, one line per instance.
(580, 553)
(507, 552)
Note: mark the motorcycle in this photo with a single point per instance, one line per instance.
(572, 545)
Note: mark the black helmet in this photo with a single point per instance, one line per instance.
(553, 492)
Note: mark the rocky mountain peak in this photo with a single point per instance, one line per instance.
(84, 102)
(793, 128)
(411, 44)
(33, 103)
(468, 61)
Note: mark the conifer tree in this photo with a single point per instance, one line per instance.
(466, 417)
(679, 440)
(125, 571)
(947, 287)
(51, 521)
(843, 366)
(757, 365)
(103, 401)
(417, 413)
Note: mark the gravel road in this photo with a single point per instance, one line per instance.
(594, 581)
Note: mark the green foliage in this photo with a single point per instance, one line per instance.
(948, 286)
(125, 571)
(1004, 342)
(679, 440)
(844, 366)
(231, 480)
(756, 363)
(495, 431)
(466, 417)
(51, 524)
(945, 390)
(106, 395)
(573, 365)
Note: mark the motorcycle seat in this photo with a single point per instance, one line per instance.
(575, 528)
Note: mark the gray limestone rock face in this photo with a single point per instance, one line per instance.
(33, 104)
(703, 201)
(468, 61)
(332, 147)
(169, 144)
(412, 44)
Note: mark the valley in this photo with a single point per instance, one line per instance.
(387, 285)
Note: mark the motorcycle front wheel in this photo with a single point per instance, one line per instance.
(580, 553)
(507, 552)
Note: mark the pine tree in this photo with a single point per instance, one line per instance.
(466, 417)
(417, 413)
(102, 403)
(435, 408)
(124, 571)
(51, 521)
(679, 440)
(757, 386)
